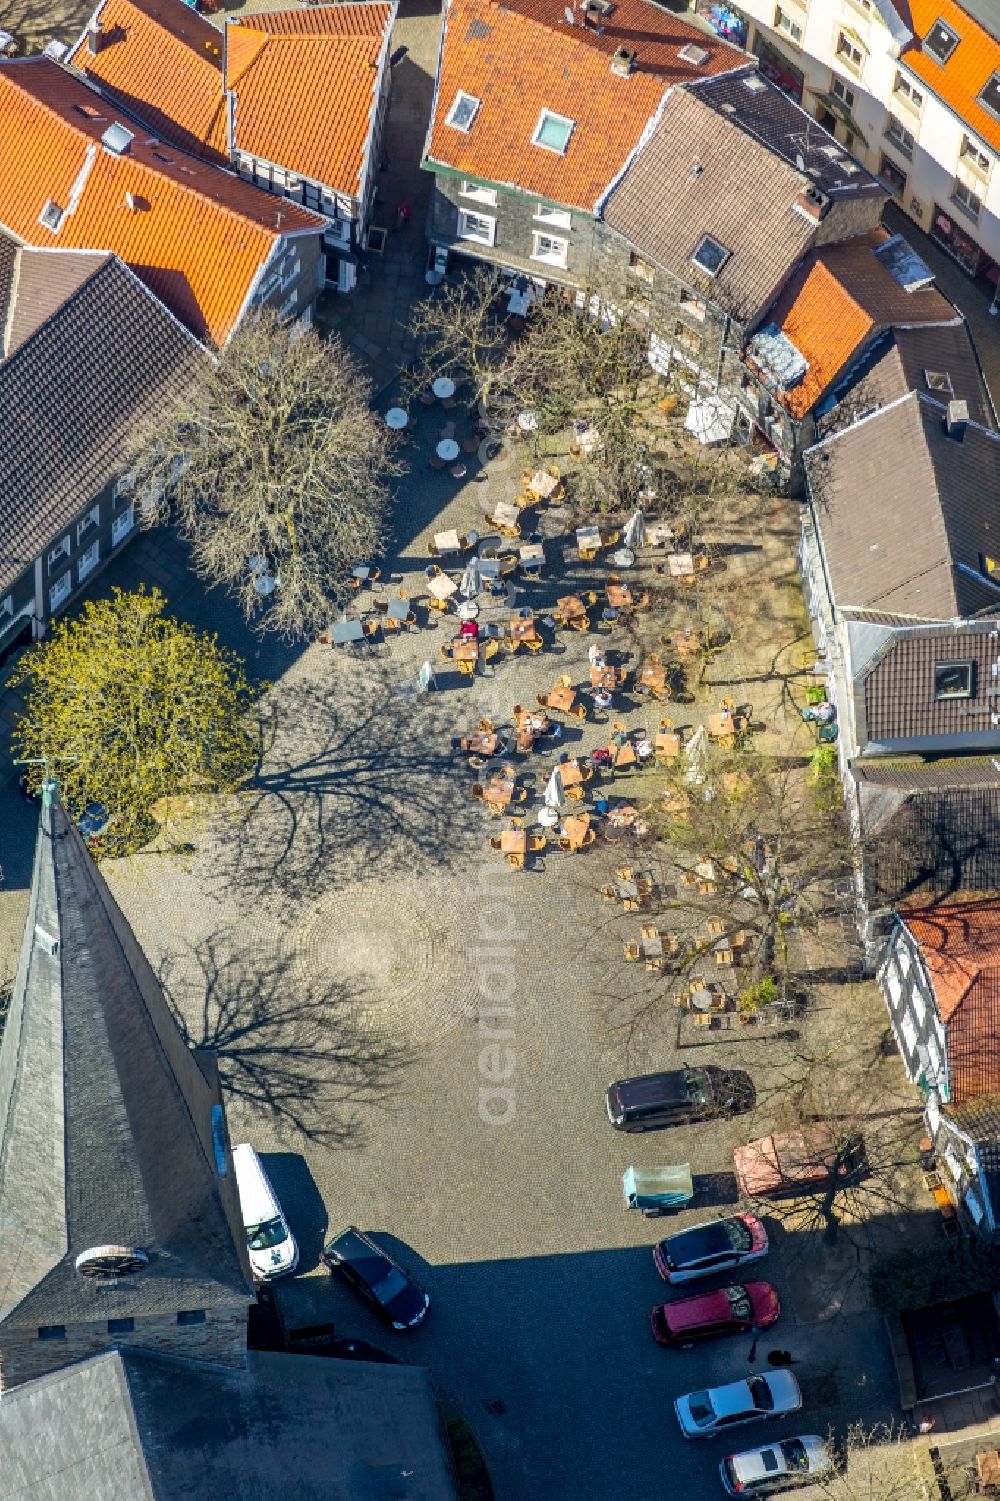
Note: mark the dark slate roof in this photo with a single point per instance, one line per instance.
(8, 257)
(900, 361)
(70, 397)
(928, 829)
(689, 179)
(133, 1426)
(769, 116)
(106, 1118)
(899, 685)
(918, 550)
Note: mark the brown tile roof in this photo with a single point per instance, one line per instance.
(304, 83)
(842, 297)
(899, 687)
(959, 943)
(521, 56)
(905, 512)
(960, 80)
(197, 236)
(664, 206)
(163, 61)
(43, 280)
(900, 361)
(71, 394)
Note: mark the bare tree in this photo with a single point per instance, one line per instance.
(277, 471)
(460, 334)
(881, 1463)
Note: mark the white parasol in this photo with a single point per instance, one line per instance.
(471, 584)
(634, 531)
(553, 796)
(696, 754)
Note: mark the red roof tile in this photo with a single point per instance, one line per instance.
(196, 236)
(960, 945)
(960, 80)
(522, 56)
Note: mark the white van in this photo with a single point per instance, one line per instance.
(271, 1244)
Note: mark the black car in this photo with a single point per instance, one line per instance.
(652, 1101)
(377, 1277)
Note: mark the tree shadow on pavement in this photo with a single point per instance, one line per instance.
(293, 1052)
(348, 776)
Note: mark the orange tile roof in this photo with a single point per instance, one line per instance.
(304, 83)
(196, 236)
(163, 60)
(840, 298)
(960, 945)
(521, 57)
(960, 80)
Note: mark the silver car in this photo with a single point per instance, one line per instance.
(702, 1414)
(783, 1464)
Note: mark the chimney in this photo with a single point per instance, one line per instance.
(813, 203)
(954, 422)
(623, 62)
(94, 39)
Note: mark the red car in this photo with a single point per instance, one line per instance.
(731, 1310)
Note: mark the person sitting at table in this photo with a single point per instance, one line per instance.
(602, 699)
(469, 629)
(595, 655)
(601, 757)
(643, 749)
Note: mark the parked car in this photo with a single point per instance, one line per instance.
(729, 1310)
(780, 1466)
(702, 1414)
(715, 1246)
(272, 1247)
(780, 1166)
(652, 1101)
(376, 1276)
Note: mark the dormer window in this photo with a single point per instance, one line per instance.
(710, 256)
(941, 42)
(553, 132)
(990, 96)
(463, 112)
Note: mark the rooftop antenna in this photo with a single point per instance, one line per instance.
(800, 161)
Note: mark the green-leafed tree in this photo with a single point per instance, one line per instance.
(276, 470)
(127, 705)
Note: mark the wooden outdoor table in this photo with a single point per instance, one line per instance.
(482, 744)
(464, 649)
(532, 719)
(726, 723)
(988, 1467)
(623, 817)
(575, 828)
(441, 586)
(681, 564)
(447, 541)
(500, 791)
(604, 677)
(523, 629)
(620, 596)
(543, 484)
(570, 773)
(654, 675)
(570, 607)
(623, 755)
(667, 743)
(514, 842)
(562, 699)
(687, 644)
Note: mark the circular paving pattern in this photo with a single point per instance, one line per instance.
(400, 955)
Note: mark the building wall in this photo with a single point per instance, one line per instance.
(292, 278)
(931, 165)
(509, 225)
(222, 1338)
(913, 1013)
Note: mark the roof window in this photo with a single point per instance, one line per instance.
(52, 215)
(710, 256)
(941, 41)
(939, 380)
(754, 83)
(463, 111)
(695, 55)
(990, 95)
(117, 139)
(553, 131)
(953, 679)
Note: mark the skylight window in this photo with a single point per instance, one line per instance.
(51, 216)
(941, 41)
(553, 131)
(693, 54)
(710, 256)
(463, 111)
(990, 95)
(939, 380)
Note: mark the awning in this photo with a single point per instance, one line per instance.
(710, 419)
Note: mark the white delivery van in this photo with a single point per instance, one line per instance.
(271, 1244)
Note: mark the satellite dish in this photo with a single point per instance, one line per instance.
(800, 161)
